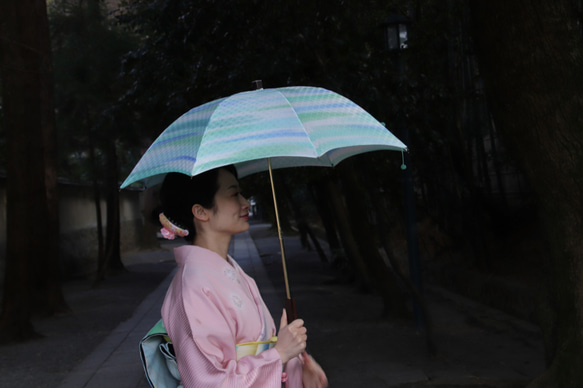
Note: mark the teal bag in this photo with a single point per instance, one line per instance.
(158, 358)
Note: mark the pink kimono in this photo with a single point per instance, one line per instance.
(210, 307)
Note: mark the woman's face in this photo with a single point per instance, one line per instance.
(231, 212)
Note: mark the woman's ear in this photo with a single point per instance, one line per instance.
(200, 213)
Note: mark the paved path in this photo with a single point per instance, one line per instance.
(478, 347)
(116, 362)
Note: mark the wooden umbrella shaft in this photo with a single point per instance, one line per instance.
(289, 303)
(283, 262)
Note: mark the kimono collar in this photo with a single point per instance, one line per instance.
(189, 253)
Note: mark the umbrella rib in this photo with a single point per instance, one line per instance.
(300, 123)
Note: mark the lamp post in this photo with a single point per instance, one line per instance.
(396, 28)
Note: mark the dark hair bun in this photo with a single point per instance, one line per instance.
(180, 192)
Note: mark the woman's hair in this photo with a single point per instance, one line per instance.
(180, 192)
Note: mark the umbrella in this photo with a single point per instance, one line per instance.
(262, 130)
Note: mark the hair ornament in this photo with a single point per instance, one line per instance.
(169, 230)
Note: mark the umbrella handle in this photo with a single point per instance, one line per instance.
(290, 309)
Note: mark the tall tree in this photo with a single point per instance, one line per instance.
(364, 231)
(88, 51)
(191, 53)
(531, 57)
(31, 277)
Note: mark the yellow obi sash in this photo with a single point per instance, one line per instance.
(254, 348)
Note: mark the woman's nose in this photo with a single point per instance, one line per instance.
(246, 203)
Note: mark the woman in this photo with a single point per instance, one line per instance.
(212, 306)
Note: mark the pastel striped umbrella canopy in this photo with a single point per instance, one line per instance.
(291, 126)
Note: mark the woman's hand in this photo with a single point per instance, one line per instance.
(291, 339)
(313, 375)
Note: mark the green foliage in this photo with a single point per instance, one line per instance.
(193, 52)
(128, 81)
(87, 50)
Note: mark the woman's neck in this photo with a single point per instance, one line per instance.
(217, 244)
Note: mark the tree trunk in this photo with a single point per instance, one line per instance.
(112, 228)
(31, 277)
(346, 237)
(327, 217)
(531, 57)
(303, 225)
(97, 201)
(364, 232)
(384, 227)
(151, 224)
(500, 184)
(113, 231)
(113, 236)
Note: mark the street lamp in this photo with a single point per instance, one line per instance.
(396, 29)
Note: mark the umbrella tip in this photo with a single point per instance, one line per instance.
(258, 84)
